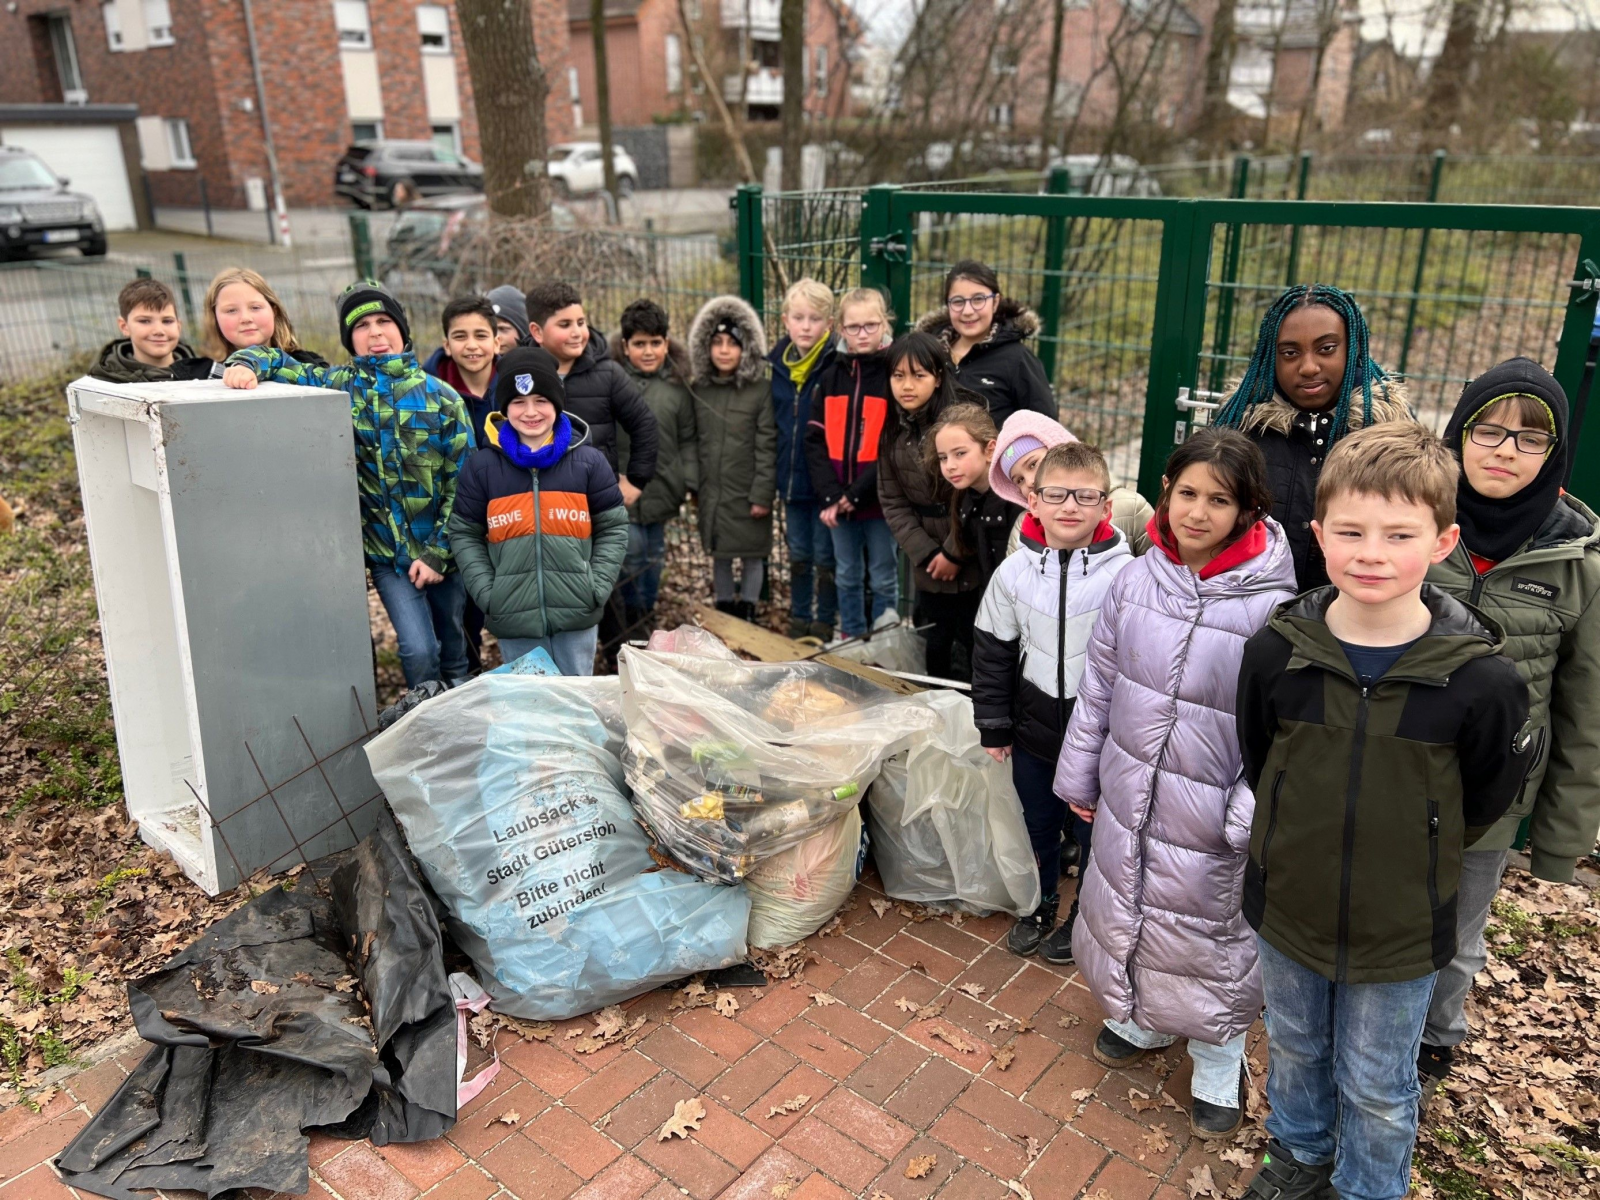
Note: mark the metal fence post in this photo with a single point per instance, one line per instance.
(752, 283)
(886, 252)
(1294, 234)
(205, 205)
(1055, 252)
(1437, 174)
(182, 269)
(1178, 329)
(361, 245)
(1230, 276)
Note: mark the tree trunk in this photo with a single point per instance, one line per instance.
(1328, 22)
(1453, 67)
(1215, 112)
(731, 126)
(602, 96)
(508, 92)
(1052, 83)
(792, 39)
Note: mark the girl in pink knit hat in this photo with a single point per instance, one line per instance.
(1022, 443)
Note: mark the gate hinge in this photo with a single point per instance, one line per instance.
(890, 248)
(1587, 288)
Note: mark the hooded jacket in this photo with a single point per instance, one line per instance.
(441, 366)
(848, 412)
(738, 435)
(1295, 444)
(915, 499)
(201, 367)
(1001, 368)
(791, 407)
(1366, 797)
(1031, 636)
(600, 394)
(117, 364)
(539, 550)
(412, 436)
(1151, 748)
(666, 392)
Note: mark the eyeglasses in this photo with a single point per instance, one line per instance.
(1529, 441)
(1057, 496)
(863, 330)
(957, 303)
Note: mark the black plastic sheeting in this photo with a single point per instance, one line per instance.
(236, 1074)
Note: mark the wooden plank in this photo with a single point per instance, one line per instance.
(766, 646)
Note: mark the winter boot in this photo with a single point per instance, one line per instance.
(1057, 948)
(822, 631)
(731, 607)
(1116, 1051)
(1433, 1068)
(1208, 1120)
(799, 628)
(1282, 1177)
(744, 610)
(1030, 930)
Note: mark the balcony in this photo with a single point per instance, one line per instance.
(762, 86)
(759, 16)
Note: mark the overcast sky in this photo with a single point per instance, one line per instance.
(1413, 30)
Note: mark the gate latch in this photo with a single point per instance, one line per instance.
(891, 249)
(1587, 288)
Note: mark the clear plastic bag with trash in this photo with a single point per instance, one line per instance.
(946, 823)
(732, 762)
(510, 793)
(795, 893)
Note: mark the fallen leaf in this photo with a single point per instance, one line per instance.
(1082, 1094)
(1020, 1189)
(993, 1026)
(1068, 1020)
(1156, 1140)
(263, 988)
(301, 977)
(822, 999)
(952, 1039)
(1552, 1107)
(510, 1117)
(784, 1188)
(880, 906)
(727, 1004)
(366, 945)
(686, 1115)
(1031, 1144)
(905, 1005)
(346, 984)
(609, 1021)
(1239, 1157)
(792, 1105)
(1141, 1100)
(1005, 1055)
(921, 1166)
(975, 990)
(1202, 1183)
(930, 1010)
(602, 1122)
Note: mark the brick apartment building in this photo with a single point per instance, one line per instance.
(332, 71)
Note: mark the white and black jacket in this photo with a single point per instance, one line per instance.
(1031, 636)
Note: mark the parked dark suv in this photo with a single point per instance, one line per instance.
(36, 209)
(395, 173)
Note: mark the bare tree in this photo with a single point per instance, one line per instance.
(1330, 16)
(792, 39)
(508, 91)
(602, 94)
(732, 126)
(1216, 114)
(1052, 82)
(1453, 68)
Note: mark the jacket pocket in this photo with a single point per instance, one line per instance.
(1272, 824)
(1524, 802)
(1433, 855)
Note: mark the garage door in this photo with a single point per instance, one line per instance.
(90, 156)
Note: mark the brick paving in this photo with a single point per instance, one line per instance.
(882, 1087)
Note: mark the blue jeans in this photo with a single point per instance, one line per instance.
(1218, 1070)
(572, 651)
(1046, 815)
(641, 565)
(812, 596)
(427, 624)
(852, 539)
(1342, 1078)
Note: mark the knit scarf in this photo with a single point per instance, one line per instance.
(801, 367)
(547, 455)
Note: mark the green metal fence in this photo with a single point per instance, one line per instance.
(1139, 297)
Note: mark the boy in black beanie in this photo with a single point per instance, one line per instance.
(406, 482)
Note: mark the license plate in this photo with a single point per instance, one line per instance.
(60, 235)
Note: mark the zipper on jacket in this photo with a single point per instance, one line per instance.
(1347, 863)
(1272, 825)
(1433, 856)
(1477, 584)
(1061, 647)
(852, 432)
(538, 553)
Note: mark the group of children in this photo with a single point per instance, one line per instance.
(1287, 722)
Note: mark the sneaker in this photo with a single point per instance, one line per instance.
(1282, 1177)
(1030, 930)
(1208, 1120)
(1433, 1068)
(888, 620)
(1114, 1051)
(1057, 948)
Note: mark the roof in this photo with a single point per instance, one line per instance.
(1181, 22)
(580, 10)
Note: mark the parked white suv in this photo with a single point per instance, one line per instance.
(575, 169)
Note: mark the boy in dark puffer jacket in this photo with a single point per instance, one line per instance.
(539, 529)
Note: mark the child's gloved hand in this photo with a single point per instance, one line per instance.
(239, 377)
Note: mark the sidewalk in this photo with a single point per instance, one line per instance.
(806, 1099)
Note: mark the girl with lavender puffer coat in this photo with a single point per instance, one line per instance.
(1151, 756)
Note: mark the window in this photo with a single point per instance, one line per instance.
(1004, 60)
(674, 64)
(433, 23)
(447, 139)
(820, 62)
(158, 22)
(1002, 115)
(577, 95)
(65, 51)
(179, 148)
(113, 24)
(355, 26)
(366, 131)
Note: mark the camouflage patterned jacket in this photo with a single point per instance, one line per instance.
(412, 436)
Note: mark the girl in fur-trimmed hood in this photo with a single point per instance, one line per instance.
(738, 447)
(1311, 380)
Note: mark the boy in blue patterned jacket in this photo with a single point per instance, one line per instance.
(412, 436)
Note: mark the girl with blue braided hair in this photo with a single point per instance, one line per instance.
(1310, 381)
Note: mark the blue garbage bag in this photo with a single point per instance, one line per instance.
(511, 795)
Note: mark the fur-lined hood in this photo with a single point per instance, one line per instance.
(677, 359)
(1391, 401)
(1014, 321)
(753, 365)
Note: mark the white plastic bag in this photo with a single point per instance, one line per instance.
(901, 648)
(947, 825)
(511, 796)
(731, 762)
(796, 893)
